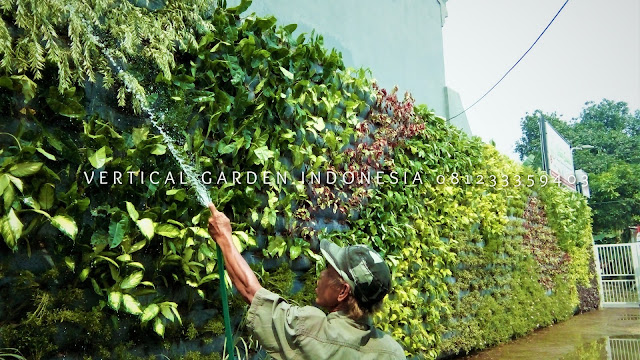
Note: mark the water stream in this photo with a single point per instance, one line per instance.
(129, 81)
(188, 169)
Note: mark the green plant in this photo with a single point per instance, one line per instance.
(239, 96)
(11, 353)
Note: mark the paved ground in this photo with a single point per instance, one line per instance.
(561, 340)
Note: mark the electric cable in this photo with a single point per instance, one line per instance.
(514, 65)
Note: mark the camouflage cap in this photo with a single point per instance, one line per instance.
(362, 268)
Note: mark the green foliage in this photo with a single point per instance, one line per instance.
(214, 327)
(51, 314)
(616, 197)
(612, 165)
(63, 35)
(25, 182)
(592, 350)
(10, 353)
(506, 288)
(279, 280)
(528, 146)
(540, 242)
(237, 96)
(197, 356)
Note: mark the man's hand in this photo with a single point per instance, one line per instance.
(239, 271)
(219, 225)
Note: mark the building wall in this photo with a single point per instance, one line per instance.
(399, 40)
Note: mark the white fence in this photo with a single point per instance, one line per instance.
(623, 349)
(619, 268)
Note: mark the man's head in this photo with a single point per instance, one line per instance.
(360, 272)
(331, 290)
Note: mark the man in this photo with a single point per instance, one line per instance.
(351, 288)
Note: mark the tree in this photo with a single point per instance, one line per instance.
(617, 192)
(529, 145)
(613, 165)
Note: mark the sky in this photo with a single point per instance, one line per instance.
(590, 52)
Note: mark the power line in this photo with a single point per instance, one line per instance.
(514, 65)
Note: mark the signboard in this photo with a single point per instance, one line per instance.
(560, 158)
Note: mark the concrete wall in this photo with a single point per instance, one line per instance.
(455, 110)
(399, 40)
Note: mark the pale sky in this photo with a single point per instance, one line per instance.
(590, 52)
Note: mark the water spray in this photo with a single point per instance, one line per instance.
(189, 170)
(203, 195)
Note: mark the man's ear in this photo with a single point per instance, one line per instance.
(345, 289)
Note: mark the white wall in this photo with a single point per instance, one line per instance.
(399, 40)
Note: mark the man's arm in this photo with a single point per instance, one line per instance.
(239, 271)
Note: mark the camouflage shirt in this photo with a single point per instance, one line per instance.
(293, 332)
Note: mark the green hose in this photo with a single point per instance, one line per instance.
(225, 306)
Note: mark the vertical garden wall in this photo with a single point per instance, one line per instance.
(105, 251)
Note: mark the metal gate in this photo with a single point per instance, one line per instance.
(619, 269)
(623, 348)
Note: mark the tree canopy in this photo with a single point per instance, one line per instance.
(613, 165)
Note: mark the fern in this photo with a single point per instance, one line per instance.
(6, 51)
(73, 35)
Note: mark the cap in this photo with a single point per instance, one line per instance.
(362, 268)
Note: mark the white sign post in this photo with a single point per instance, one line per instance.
(559, 157)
